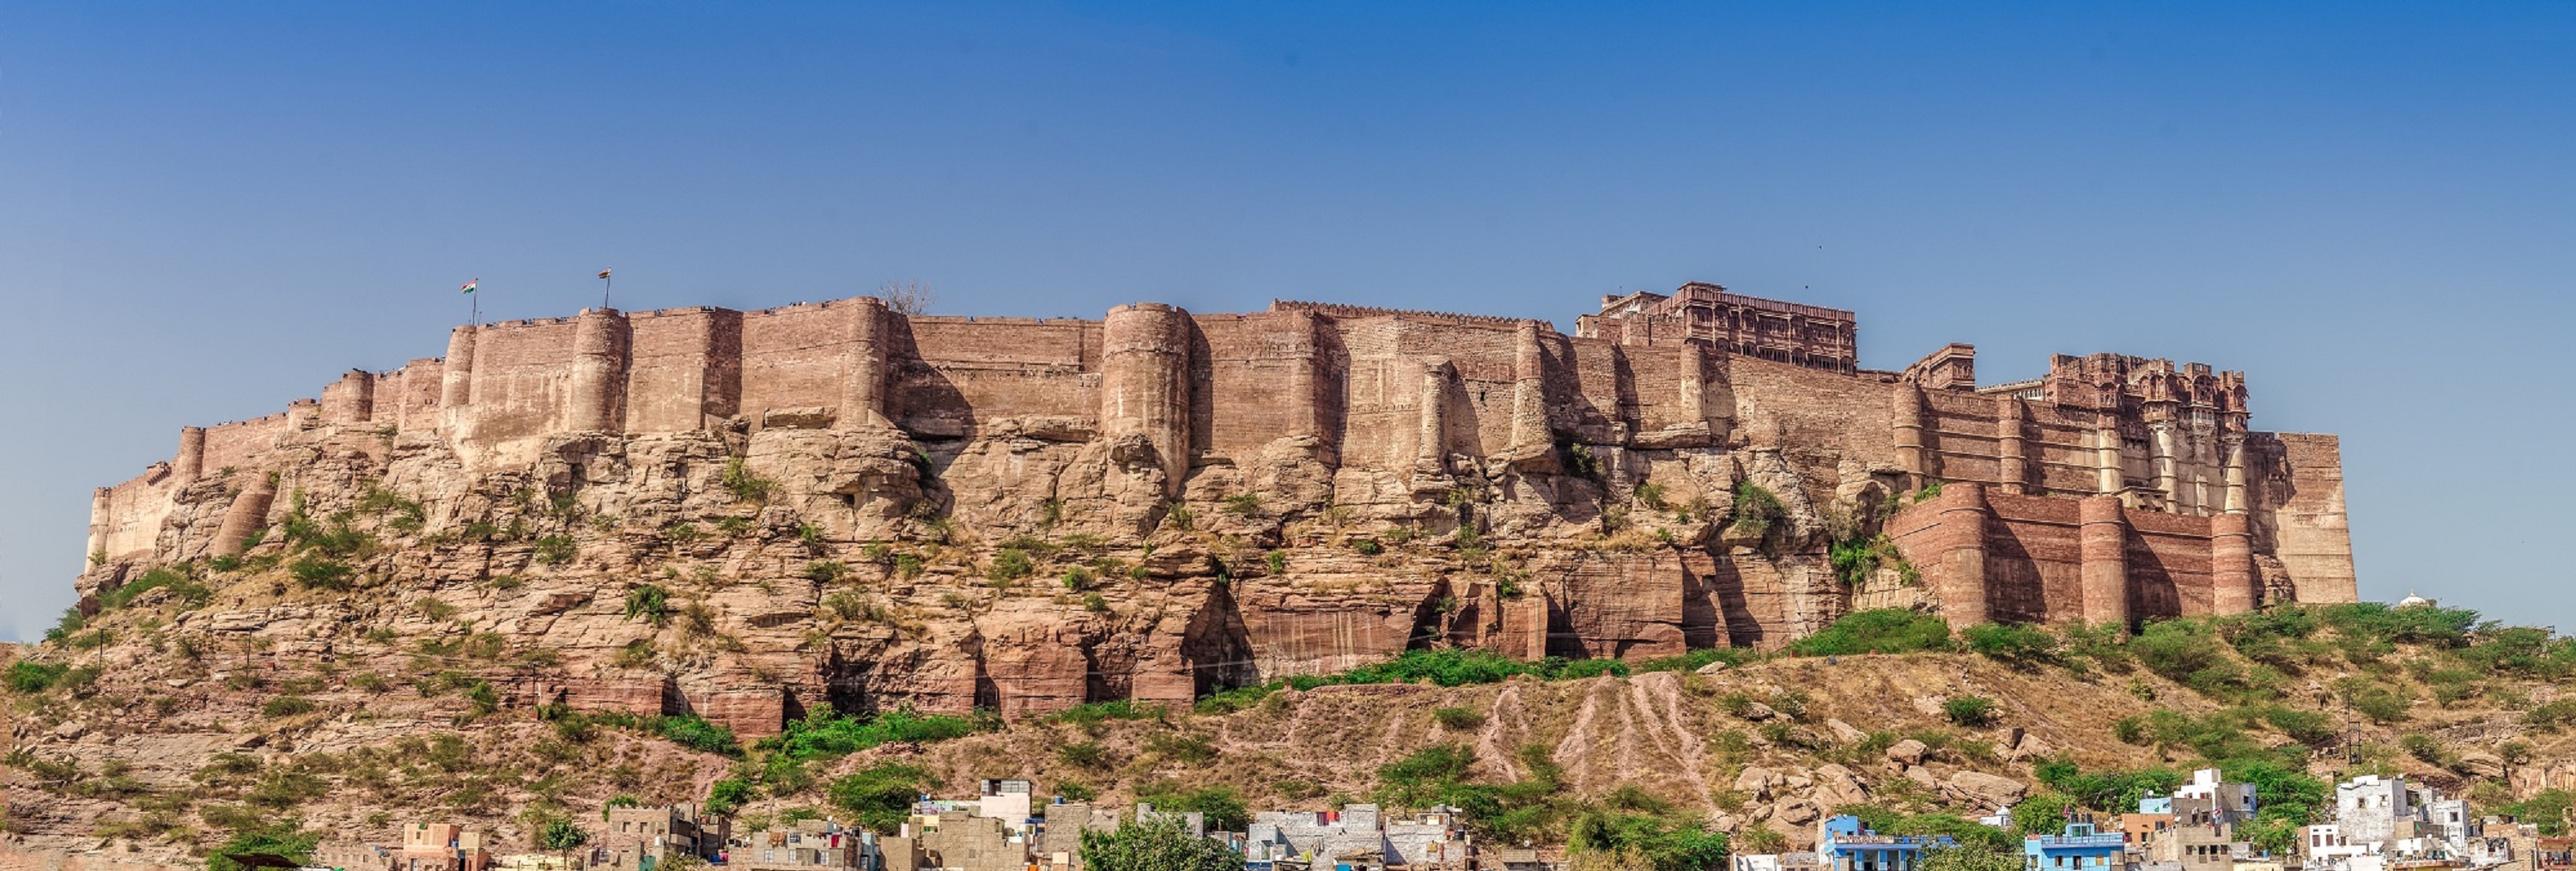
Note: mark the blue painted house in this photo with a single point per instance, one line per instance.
(1842, 844)
(2078, 848)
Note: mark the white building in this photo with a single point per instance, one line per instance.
(2372, 810)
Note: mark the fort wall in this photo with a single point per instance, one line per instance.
(2026, 531)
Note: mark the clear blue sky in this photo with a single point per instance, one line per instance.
(207, 210)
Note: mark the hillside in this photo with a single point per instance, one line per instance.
(139, 733)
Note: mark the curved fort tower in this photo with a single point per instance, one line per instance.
(1534, 492)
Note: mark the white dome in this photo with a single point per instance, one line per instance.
(2413, 600)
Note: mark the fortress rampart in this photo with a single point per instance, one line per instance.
(2112, 489)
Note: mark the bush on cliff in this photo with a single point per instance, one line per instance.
(284, 838)
(1883, 630)
(827, 735)
(2019, 645)
(881, 795)
(29, 678)
(1663, 842)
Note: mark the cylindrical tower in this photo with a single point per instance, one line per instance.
(1963, 553)
(190, 464)
(1909, 434)
(2103, 550)
(598, 371)
(1431, 443)
(2233, 473)
(2106, 455)
(2161, 461)
(863, 382)
(2011, 419)
(98, 508)
(1303, 344)
(1529, 389)
(1694, 378)
(352, 400)
(2231, 564)
(456, 373)
(1144, 383)
(248, 513)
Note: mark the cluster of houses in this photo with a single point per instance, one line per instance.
(1003, 828)
(2380, 824)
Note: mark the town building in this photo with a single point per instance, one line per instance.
(441, 847)
(956, 840)
(1358, 837)
(1843, 844)
(2077, 847)
(657, 832)
(2374, 809)
(809, 845)
(2196, 846)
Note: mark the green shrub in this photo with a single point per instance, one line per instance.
(2374, 700)
(1970, 711)
(1756, 509)
(29, 678)
(828, 735)
(744, 485)
(1010, 564)
(1245, 504)
(1367, 546)
(1077, 579)
(649, 603)
(177, 579)
(555, 550)
(825, 571)
(881, 795)
(694, 732)
(1158, 845)
(287, 706)
(1458, 719)
(317, 573)
(2013, 643)
(284, 838)
(1091, 713)
(2551, 716)
(1084, 754)
(1884, 630)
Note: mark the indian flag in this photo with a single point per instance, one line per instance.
(469, 286)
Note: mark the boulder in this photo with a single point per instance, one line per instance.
(1756, 782)
(1837, 786)
(1758, 712)
(1908, 752)
(2479, 764)
(1713, 667)
(1797, 812)
(1845, 731)
(1984, 790)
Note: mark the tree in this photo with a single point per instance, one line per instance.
(1158, 845)
(1969, 859)
(286, 838)
(907, 297)
(881, 795)
(561, 836)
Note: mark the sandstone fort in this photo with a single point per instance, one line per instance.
(856, 507)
